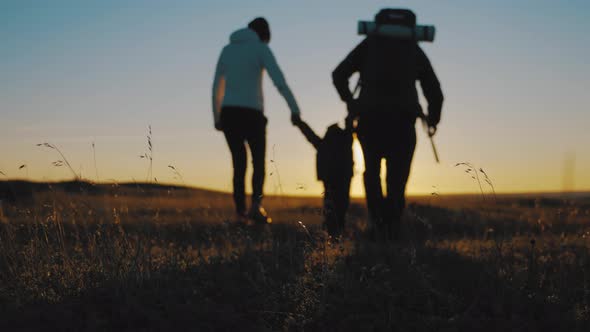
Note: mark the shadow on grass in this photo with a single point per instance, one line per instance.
(230, 278)
(280, 278)
(437, 222)
(403, 288)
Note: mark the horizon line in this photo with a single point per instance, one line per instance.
(193, 187)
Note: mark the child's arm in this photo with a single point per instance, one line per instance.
(314, 139)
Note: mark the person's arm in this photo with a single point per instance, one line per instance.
(351, 64)
(218, 91)
(314, 139)
(276, 75)
(430, 87)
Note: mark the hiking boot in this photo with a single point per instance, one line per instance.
(259, 215)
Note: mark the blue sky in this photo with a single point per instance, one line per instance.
(514, 74)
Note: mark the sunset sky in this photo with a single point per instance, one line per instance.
(515, 76)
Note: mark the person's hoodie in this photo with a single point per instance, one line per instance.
(238, 76)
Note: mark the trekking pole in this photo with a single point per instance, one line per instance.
(433, 148)
(430, 134)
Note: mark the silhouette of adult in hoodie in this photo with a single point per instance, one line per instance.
(238, 108)
(387, 108)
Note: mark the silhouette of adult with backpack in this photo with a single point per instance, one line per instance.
(238, 108)
(386, 111)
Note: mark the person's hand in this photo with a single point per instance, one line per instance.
(354, 108)
(218, 125)
(296, 119)
(431, 130)
(431, 126)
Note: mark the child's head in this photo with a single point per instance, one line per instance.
(333, 130)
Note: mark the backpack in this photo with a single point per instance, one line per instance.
(334, 155)
(403, 17)
(388, 74)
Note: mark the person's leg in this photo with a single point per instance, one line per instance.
(342, 203)
(257, 143)
(398, 161)
(372, 180)
(235, 140)
(256, 137)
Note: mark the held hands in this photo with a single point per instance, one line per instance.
(296, 119)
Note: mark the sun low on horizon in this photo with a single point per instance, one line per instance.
(119, 91)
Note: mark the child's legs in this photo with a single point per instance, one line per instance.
(330, 208)
(336, 202)
(342, 201)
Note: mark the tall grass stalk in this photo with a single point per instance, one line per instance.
(149, 154)
(26, 168)
(63, 161)
(177, 174)
(489, 182)
(275, 170)
(472, 171)
(94, 158)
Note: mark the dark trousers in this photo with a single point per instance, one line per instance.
(392, 139)
(240, 126)
(336, 202)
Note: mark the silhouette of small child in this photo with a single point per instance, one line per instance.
(334, 166)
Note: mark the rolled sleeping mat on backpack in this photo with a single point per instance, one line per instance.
(418, 32)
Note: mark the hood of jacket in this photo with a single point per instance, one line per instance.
(245, 35)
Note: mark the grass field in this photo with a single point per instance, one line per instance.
(76, 256)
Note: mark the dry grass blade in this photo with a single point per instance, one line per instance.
(149, 155)
(77, 177)
(306, 230)
(279, 184)
(94, 159)
(177, 174)
(471, 170)
(489, 182)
